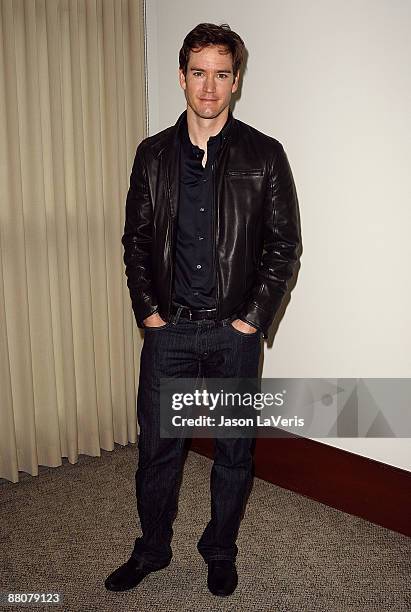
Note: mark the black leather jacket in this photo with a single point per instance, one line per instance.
(257, 234)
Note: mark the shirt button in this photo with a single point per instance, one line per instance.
(198, 267)
(201, 237)
(202, 209)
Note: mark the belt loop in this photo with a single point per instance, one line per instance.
(176, 317)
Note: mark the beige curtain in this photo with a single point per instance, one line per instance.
(71, 115)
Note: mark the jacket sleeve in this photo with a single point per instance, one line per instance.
(137, 241)
(281, 234)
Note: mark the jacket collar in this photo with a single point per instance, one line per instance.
(170, 139)
(168, 146)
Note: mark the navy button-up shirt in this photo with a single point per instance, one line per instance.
(194, 281)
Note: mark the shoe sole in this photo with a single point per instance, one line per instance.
(122, 589)
(223, 593)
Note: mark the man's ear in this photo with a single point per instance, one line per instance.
(182, 78)
(236, 82)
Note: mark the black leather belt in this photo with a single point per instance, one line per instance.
(194, 314)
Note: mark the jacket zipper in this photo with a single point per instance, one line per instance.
(171, 246)
(215, 223)
(215, 213)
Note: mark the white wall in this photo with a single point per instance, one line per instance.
(330, 79)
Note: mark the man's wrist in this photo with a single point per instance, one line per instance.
(151, 317)
(243, 326)
(248, 323)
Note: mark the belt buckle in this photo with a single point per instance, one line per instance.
(189, 314)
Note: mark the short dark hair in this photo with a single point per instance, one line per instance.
(206, 34)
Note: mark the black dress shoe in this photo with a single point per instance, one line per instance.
(222, 577)
(129, 575)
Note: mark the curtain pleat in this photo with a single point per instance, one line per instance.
(71, 114)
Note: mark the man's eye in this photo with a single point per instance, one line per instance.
(197, 73)
(222, 76)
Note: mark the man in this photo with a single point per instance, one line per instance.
(211, 239)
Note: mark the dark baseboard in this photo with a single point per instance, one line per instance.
(372, 490)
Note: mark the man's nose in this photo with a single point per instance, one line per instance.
(209, 83)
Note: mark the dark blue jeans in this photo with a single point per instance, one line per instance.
(190, 349)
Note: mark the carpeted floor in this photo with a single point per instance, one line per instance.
(67, 529)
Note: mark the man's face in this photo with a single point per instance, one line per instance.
(209, 82)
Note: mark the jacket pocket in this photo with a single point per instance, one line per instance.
(245, 173)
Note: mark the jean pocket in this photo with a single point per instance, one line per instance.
(157, 328)
(244, 334)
